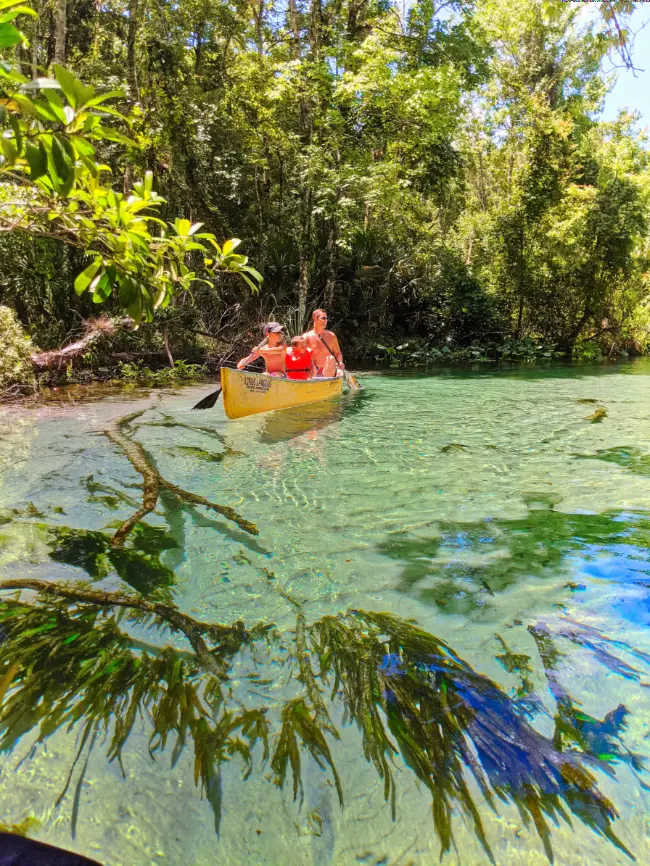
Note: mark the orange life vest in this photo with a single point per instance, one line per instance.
(298, 366)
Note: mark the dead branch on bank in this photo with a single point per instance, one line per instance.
(153, 483)
(56, 359)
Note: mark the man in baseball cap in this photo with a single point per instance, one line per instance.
(272, 350)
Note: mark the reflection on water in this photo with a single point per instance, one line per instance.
(462, 566)
(366, 631)
(289, 423)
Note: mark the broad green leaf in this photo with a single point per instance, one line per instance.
(126, 291)
(230, 245)
(18, 136)
(9, 150)
(90, 164)
(38, 108)
(98, 100)
(135, 309)
(62, 161)
(91, 122)
(234, 260)
(111, 134)
(36, 159)
(254, 273)
(76, 93)
(56, 104)
(101, 287)
(86, 277)
(9, 36)
(17, 10)
(25, 104)
(82, 146)
(254, 288)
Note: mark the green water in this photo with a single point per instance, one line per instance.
(486, 506)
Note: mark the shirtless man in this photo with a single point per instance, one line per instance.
(273, 353)
(325, 363)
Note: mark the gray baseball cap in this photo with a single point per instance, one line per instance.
(273, 328)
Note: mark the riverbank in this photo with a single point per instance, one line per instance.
(108, 350)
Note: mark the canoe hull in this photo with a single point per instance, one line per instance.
(250, 393)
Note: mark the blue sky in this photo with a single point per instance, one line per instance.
(633, 91)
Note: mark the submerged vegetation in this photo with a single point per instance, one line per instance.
(111, 658)
(69, 662)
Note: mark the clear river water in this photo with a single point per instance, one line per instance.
(500, 712)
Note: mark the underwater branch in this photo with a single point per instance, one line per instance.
(153, 482)
(192, 628)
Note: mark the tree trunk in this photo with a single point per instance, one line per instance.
(520, 317)
(258, 17)
(303, 270)
(132, 68)
(170, 357)
(198, 51)
(295, 28)
(60, 31)
(34, 47)
(330, 279)
(468, 258)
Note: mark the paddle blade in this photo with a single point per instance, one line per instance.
(353, 382)
(209, 401)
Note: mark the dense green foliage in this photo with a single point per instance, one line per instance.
(15, 365)
(438, 174)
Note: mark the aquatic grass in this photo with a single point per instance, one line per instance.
(633, 459)
(598, 740)
(441, 714)
(67, 661)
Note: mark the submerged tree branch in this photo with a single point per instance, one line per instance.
(193, 629)
(154, 482)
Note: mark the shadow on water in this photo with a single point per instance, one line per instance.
(134, 549)
(139, 565)
(68, 661)
(632, 459)
(460, 566)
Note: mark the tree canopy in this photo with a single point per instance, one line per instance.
(437, 172)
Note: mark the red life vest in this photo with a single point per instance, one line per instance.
(298, 366)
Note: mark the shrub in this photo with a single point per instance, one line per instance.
(16, 369)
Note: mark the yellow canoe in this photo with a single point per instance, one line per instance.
(249, 393)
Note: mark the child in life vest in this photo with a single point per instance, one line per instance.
(299, 360)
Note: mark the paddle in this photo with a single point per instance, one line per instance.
(209, 401)
(350, 380)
